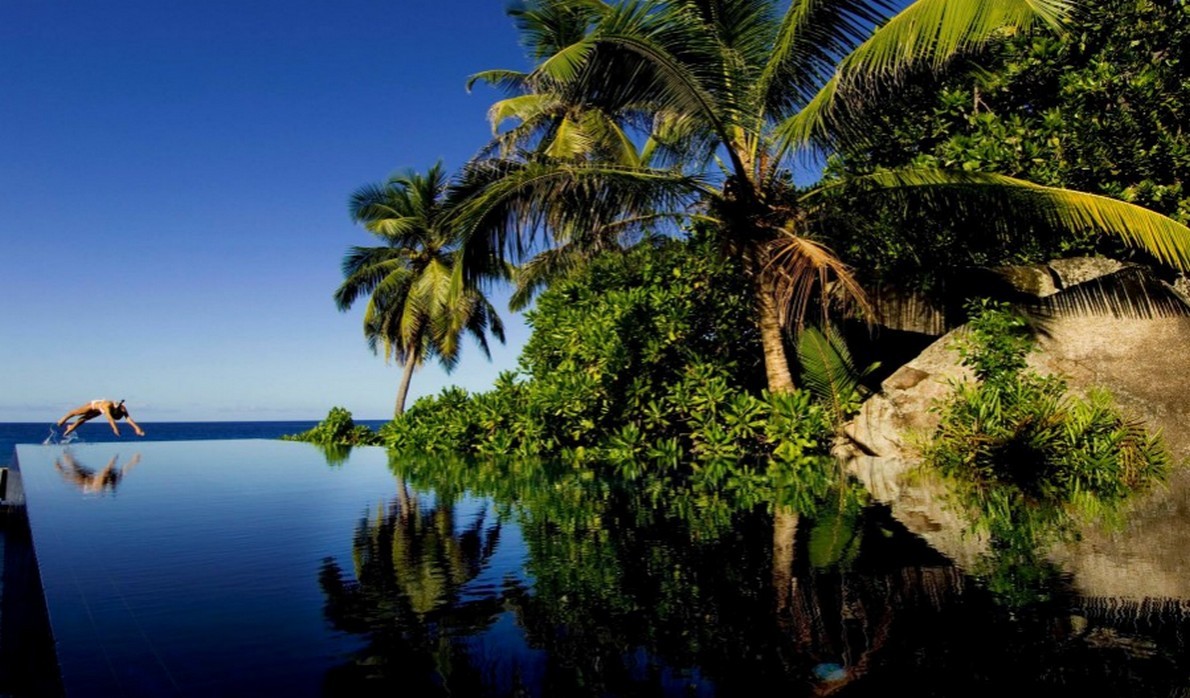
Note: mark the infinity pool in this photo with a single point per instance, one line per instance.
(192, 568)
(271, 568)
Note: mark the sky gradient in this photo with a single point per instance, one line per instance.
(175, 179)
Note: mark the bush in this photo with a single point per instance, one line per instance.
(338, 429)
(1016, 428)
(646, 358)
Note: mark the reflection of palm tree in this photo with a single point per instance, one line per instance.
(838, 620)
(785, 522)
(90, 480)
(411, 566)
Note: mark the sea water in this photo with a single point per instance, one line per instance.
(99, 431)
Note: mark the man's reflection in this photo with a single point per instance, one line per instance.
(90, 480)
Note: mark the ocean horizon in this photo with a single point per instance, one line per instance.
(99, 431)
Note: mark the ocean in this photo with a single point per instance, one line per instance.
(98, 430)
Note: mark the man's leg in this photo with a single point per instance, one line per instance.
(75, 425)
(73, 413)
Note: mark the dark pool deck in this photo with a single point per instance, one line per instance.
(186, 568)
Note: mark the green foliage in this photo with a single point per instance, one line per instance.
(828, 371)
(647, 358)
(1100, 108)
(1015, 428)
(996, 343)
(338, 429)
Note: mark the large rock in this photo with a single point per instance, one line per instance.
(1073, 271)
(1123, 332)
(1136, 349)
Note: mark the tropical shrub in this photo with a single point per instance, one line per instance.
(1017, 429)
(338, 429)
(644, 357)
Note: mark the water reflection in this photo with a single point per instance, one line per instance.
(411, 561)
(654, 586)
(90, 480)
(336, 454)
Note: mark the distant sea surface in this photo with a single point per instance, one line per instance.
(97, 430)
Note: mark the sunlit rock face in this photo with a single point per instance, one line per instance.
(1099, 324)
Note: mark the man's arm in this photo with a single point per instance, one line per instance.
(107, 412)
(135, 426)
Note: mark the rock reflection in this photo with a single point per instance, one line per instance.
(90, 480)
(1093, 597)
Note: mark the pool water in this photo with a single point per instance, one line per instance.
(193, 567)
(260, 567)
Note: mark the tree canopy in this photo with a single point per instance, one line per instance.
(729, 95)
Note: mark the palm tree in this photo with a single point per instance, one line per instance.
(414, 310)
(747, 89)
(552, 120)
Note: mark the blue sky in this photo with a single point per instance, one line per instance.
(175, 180)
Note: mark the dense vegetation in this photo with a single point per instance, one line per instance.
(1099, 107)
(643, 357)
(642, 176)
(720, 101)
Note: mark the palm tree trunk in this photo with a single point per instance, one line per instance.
(776, 362)
(403, 391)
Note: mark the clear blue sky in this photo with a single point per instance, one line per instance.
(173, 187)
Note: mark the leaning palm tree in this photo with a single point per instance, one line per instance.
(750, 89)
(414, 312)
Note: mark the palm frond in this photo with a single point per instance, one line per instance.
(511, 81)
(511, 208)
(925, 35)
(367, 277)
(526, 108)
(570, 141)
(933, 32)
(543, 269)
(806, 270)
(811, 37)
(547, 26)
(1013, 206)
(373, 202)
(567, 64)
(1131, 293)
(655, 56)
(827, 368)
